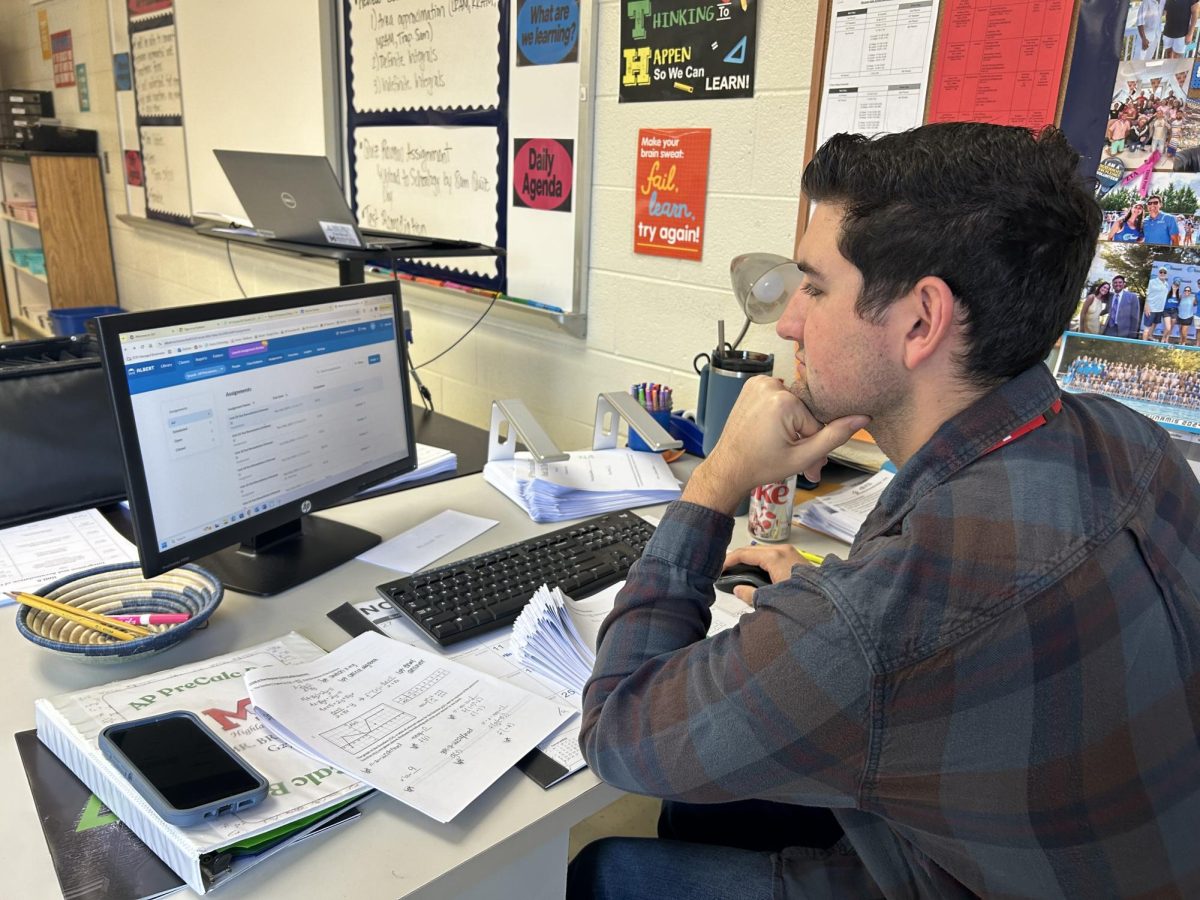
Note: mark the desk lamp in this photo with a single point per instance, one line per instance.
(762, 283)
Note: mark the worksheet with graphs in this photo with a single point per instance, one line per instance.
(421, 728)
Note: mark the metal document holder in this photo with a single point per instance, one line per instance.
(611, 405)
(522, 425)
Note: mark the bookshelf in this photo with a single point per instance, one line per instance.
(54, 238)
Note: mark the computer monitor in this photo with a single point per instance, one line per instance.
(237, 419)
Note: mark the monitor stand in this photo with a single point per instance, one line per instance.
(275, 560)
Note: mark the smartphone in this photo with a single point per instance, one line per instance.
(183, 770)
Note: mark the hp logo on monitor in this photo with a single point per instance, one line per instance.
(306, 507)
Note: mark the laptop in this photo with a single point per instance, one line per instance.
(289, 197)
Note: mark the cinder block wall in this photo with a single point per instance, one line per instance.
(647, 316)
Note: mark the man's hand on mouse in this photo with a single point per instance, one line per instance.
(777, 561)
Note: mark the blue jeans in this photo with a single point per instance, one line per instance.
(749, 849)
(619, 868)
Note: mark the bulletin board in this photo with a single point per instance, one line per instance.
(1029, 62)
(472, 119)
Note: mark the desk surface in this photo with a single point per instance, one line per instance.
(392, 851)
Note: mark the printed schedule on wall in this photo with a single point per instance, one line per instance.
(876, 66)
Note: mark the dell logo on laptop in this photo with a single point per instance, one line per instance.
(306, 507)
(288, 200)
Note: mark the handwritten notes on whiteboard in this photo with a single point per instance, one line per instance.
(165, 162)
(156, 73)
(424, 54)
(430, 180)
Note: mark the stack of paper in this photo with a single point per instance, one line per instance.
(546, 641)
(558, 754)
(589, 483)
(40, 552)
(430, 461)
(422, 728)
(842, 513)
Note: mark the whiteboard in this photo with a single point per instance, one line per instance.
(255, 75)
(472, 120)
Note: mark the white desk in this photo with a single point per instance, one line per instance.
(511, 842)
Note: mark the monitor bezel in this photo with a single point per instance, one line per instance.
(154, 560)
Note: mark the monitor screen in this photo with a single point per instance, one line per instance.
(237, 418)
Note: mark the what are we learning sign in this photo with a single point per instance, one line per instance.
(672, 186)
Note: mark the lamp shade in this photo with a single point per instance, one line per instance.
(763, 283)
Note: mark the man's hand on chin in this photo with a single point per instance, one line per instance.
(769, 436)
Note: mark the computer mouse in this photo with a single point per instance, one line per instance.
(742, 573)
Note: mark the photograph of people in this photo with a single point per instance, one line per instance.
(1174, 324)
(1143, 30)
(1148, 111)
(1127, 265)
(1159, 382)
(1161, 217)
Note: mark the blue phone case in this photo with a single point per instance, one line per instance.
(176, 816)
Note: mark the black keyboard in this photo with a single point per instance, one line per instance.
(488, 591)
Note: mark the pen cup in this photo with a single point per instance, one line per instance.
(661, 416)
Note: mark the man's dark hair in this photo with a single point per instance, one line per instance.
(998, 213)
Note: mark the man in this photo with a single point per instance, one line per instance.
(1156, 302)
(1124, 311)
(1179, 26)
(1117, 129)
(1149, 29)
(1158, 226)
(997, 692)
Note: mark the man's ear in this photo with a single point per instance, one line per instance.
(927, 313)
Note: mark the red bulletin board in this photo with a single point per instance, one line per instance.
(1000, 61)
(672, 186)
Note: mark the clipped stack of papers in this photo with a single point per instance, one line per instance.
(842, 513)
(545, 641)
(589, 483)
(430, 461)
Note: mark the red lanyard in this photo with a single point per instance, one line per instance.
(1034, 423)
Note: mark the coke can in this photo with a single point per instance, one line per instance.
(771, 511)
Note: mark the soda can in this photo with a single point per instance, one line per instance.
(771, 511)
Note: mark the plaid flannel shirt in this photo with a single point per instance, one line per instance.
(997, 692)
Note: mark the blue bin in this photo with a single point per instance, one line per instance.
(72, 319)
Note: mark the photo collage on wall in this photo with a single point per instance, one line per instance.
(1140, 298)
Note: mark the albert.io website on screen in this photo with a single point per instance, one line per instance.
(240, 415)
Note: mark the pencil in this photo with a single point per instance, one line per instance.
(122, 631)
